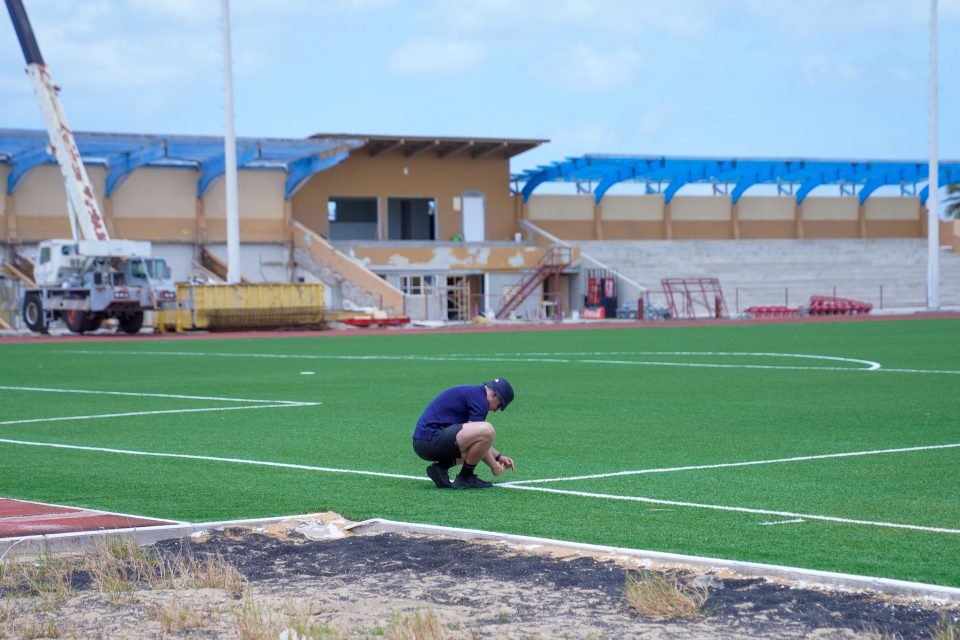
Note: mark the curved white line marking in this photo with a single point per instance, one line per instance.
(869, 365)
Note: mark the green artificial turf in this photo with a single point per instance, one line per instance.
(588, 402)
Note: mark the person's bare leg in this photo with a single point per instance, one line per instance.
(475, 440)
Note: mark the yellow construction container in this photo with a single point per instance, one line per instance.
(220, 307)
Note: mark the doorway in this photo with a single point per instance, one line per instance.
(411, 219)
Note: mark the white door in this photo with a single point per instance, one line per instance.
(474, 220)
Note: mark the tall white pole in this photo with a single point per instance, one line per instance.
(230, 155)
(933, 186)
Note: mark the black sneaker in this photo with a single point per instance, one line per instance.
(471, 482)
(440, 476)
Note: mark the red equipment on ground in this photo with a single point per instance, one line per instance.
(817, 306)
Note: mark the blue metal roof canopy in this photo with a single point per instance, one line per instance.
(122, 154)
(741, 173)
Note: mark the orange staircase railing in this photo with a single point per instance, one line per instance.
(554, 261)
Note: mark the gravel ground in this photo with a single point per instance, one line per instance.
(369, 585)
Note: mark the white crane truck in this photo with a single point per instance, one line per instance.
(91, 277)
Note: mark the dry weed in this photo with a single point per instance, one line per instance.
(212, 572)
(946, 630)
(415, 626)
(662, 598)
(48, 576)
(43, 628)
(118, 566)
(873, 633)
(300, 627)
(255, 621)
(176, 615)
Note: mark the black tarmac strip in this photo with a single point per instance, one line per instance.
(441, 571)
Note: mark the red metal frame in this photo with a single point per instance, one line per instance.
(694, 293)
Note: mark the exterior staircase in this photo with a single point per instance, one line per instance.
(554, 261)
(347, 278)
(211, 264)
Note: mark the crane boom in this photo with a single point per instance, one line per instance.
(82, 205)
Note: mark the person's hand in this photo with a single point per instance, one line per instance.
(506, 462)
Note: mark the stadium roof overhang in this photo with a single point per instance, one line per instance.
(122, 154)
(411, 146)
(734, 176)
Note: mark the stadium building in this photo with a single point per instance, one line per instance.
(437, 228)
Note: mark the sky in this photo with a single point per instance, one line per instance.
(842, 79)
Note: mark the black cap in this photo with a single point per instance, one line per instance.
(502, 388)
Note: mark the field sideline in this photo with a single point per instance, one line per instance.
(831, 446)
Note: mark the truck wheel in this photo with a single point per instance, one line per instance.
(93, 321)
(33, 313)
(76, 320)
(131, 323)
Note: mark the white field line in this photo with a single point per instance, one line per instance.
(145, 395)
(718, 507)
(869, 365)
(695, 505)
(265, 404)
(793, 521)
(748, 463)
(187, 456)
(153, 413)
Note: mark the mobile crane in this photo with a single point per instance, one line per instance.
(91, 277)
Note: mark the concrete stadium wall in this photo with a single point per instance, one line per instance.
(157, 204)
(261, 207)
(645, 217)
(393, 175)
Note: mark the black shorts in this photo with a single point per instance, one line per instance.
(442, 447)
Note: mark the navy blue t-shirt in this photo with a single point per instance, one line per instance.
(456, 405)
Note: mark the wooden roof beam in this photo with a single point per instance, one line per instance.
(416, 150)
(452, 151)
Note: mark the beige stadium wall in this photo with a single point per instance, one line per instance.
(893, 217)
(632, 217)
(261, 208)
(625, 217)
(157, 204)
(392, 175)
(831, 217)
(7, 201)
(40, 203)
(701, 218)
(767, 217)
(567, 217)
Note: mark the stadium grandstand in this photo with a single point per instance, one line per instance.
(438, 229)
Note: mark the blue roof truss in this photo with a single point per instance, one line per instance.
(860, 177)
(122, 154)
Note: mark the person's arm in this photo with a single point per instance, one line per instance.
(500, 459)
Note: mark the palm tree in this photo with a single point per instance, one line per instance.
(952, 201)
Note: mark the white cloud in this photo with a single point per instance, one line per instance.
(821, 70)
(616, 16)
(431, 55)
(583, 68)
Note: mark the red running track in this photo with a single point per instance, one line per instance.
(21, 518)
